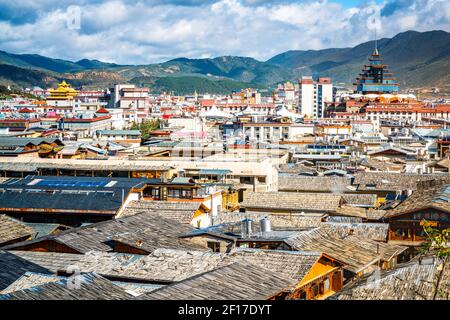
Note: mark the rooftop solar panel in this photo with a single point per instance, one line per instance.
(71, 183)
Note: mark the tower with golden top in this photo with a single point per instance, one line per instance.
(63, 92)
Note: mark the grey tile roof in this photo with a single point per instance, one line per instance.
(91, 287)
(291, 201)
(12, 229)
(289, 264)
(393, 181)
(13, 267)
(344, 219)
(362, 200)
(29, 280)
(162, 265)
(168, 265)
(373, 231)
(318, 184)
(146, 232)
(182, 212)
(278, 221)
(356, 252)
(137, 289)
(296, 168)
(413, 280)
(436, 197)
(236, 281)
(363, 213)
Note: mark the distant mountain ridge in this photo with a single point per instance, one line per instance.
(417, 59)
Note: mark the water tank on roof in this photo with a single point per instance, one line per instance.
(265, 225)
(246, 227)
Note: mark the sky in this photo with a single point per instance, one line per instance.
(149, 31)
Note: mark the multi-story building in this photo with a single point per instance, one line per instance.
(63, 96)
(86, 127)
(314, 95)
(375, 78)
(134, 101)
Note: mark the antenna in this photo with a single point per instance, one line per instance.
(376, 38)
(376, 41)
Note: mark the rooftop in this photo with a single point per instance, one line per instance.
(12, 229)
(413, 280)
(237, 281)
(141, 231)
(292, 201)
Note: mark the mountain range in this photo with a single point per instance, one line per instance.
(417, 59)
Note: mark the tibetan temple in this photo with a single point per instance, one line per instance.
(375, 78)
(63, 92)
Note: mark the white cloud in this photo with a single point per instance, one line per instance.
(146, 31)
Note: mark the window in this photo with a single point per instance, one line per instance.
(321, 288)
(326, 284)
(174, 193)
(186, 194)
(246, 180)
(314, 291)
(214, 246)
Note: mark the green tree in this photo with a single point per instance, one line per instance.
(146, 127)
(437, 243)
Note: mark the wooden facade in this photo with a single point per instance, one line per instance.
(47, 246)
(408, 228)
(324, 279)
(168, 191)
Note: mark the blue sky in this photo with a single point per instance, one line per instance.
(147, 31)
(353, 3)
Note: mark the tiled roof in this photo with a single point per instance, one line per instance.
(277, 221)
(89, 287)
(413, 280)
(29, 280)
(366, 200)
(237, 281)
(393, 181)
(12, 229)
(182, 212)
(323, 184)
(288, 264)
(356, 252)
(143, 231)
(291, 201)
(437, 197)
(168, 265)
(296, 168)
(13, 267)
(373, 231)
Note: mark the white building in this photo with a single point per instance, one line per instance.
(313, 96)
(134, 101)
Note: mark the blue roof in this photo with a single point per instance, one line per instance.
(71, 193)
(71, 183)
(443, 196)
